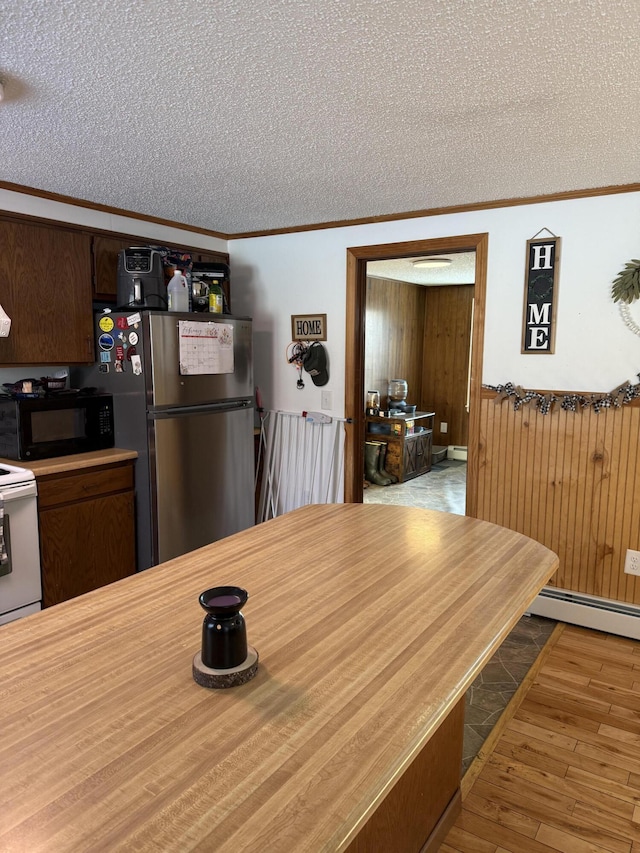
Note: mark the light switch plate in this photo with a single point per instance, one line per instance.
(326, 400)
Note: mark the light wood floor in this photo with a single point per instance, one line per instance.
(561, 771)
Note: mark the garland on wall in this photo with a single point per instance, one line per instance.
(545, 403)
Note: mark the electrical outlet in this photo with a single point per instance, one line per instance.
(444, 426)
(326, 400)
(632, 562)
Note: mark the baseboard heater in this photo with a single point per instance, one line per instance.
(601, 614)
(455, 452)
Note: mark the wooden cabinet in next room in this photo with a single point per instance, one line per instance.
(409, 442)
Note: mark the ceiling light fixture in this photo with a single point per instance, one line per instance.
(432, 262)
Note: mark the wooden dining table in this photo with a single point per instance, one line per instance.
(370, 623)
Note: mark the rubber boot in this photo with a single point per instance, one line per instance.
(371, 457)
(381, 461)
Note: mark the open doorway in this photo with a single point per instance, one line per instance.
(357, 259)
(418, 320)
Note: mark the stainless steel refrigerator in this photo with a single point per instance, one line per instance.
(183, 393)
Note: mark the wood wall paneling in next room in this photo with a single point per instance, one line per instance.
(423, 335)
(445, 373)
(394, 333)
(570, 480)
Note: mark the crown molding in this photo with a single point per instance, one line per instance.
(443, 211)
(105, 208)
(615, 189)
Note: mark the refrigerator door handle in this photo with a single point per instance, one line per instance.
(206, 408)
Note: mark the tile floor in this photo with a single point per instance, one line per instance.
(444, 488)
(490, 693)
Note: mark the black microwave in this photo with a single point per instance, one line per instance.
(42, 427)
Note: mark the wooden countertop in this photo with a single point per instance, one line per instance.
(371, 622)
(75, 462)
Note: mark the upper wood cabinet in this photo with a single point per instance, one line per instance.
(45, 287)
(105, 251)
(50, 276)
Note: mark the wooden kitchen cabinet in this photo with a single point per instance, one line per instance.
(408, 453)
(104, 255)
(105, 250)
(51, 274)
(45, 287)
(87, 529)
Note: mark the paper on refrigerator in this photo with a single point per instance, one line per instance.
(205, 347)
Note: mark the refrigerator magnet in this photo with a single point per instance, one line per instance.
(136, 365)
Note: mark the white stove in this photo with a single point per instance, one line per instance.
(20, 584)
(11, 475)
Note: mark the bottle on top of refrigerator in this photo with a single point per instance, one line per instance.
(177, 292)
(215, 297)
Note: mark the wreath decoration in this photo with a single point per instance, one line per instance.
(626, 286)
(625, 290)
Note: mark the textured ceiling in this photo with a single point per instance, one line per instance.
(239, 116)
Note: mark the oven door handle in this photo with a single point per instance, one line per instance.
(16, 492)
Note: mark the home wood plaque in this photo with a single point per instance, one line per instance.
(540, 295)
(309, 327)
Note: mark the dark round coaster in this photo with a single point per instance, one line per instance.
(220, 678)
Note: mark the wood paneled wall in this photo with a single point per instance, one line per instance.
(571, 481)
(394, 334)
(445, 371)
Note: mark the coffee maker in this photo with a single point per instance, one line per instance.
(141, 281)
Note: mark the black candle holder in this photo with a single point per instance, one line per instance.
(225, 659)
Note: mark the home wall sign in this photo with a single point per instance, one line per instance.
(309, 327)
(540, 294)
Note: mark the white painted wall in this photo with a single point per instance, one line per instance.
(305, 273)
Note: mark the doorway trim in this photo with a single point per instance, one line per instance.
(356, 300)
